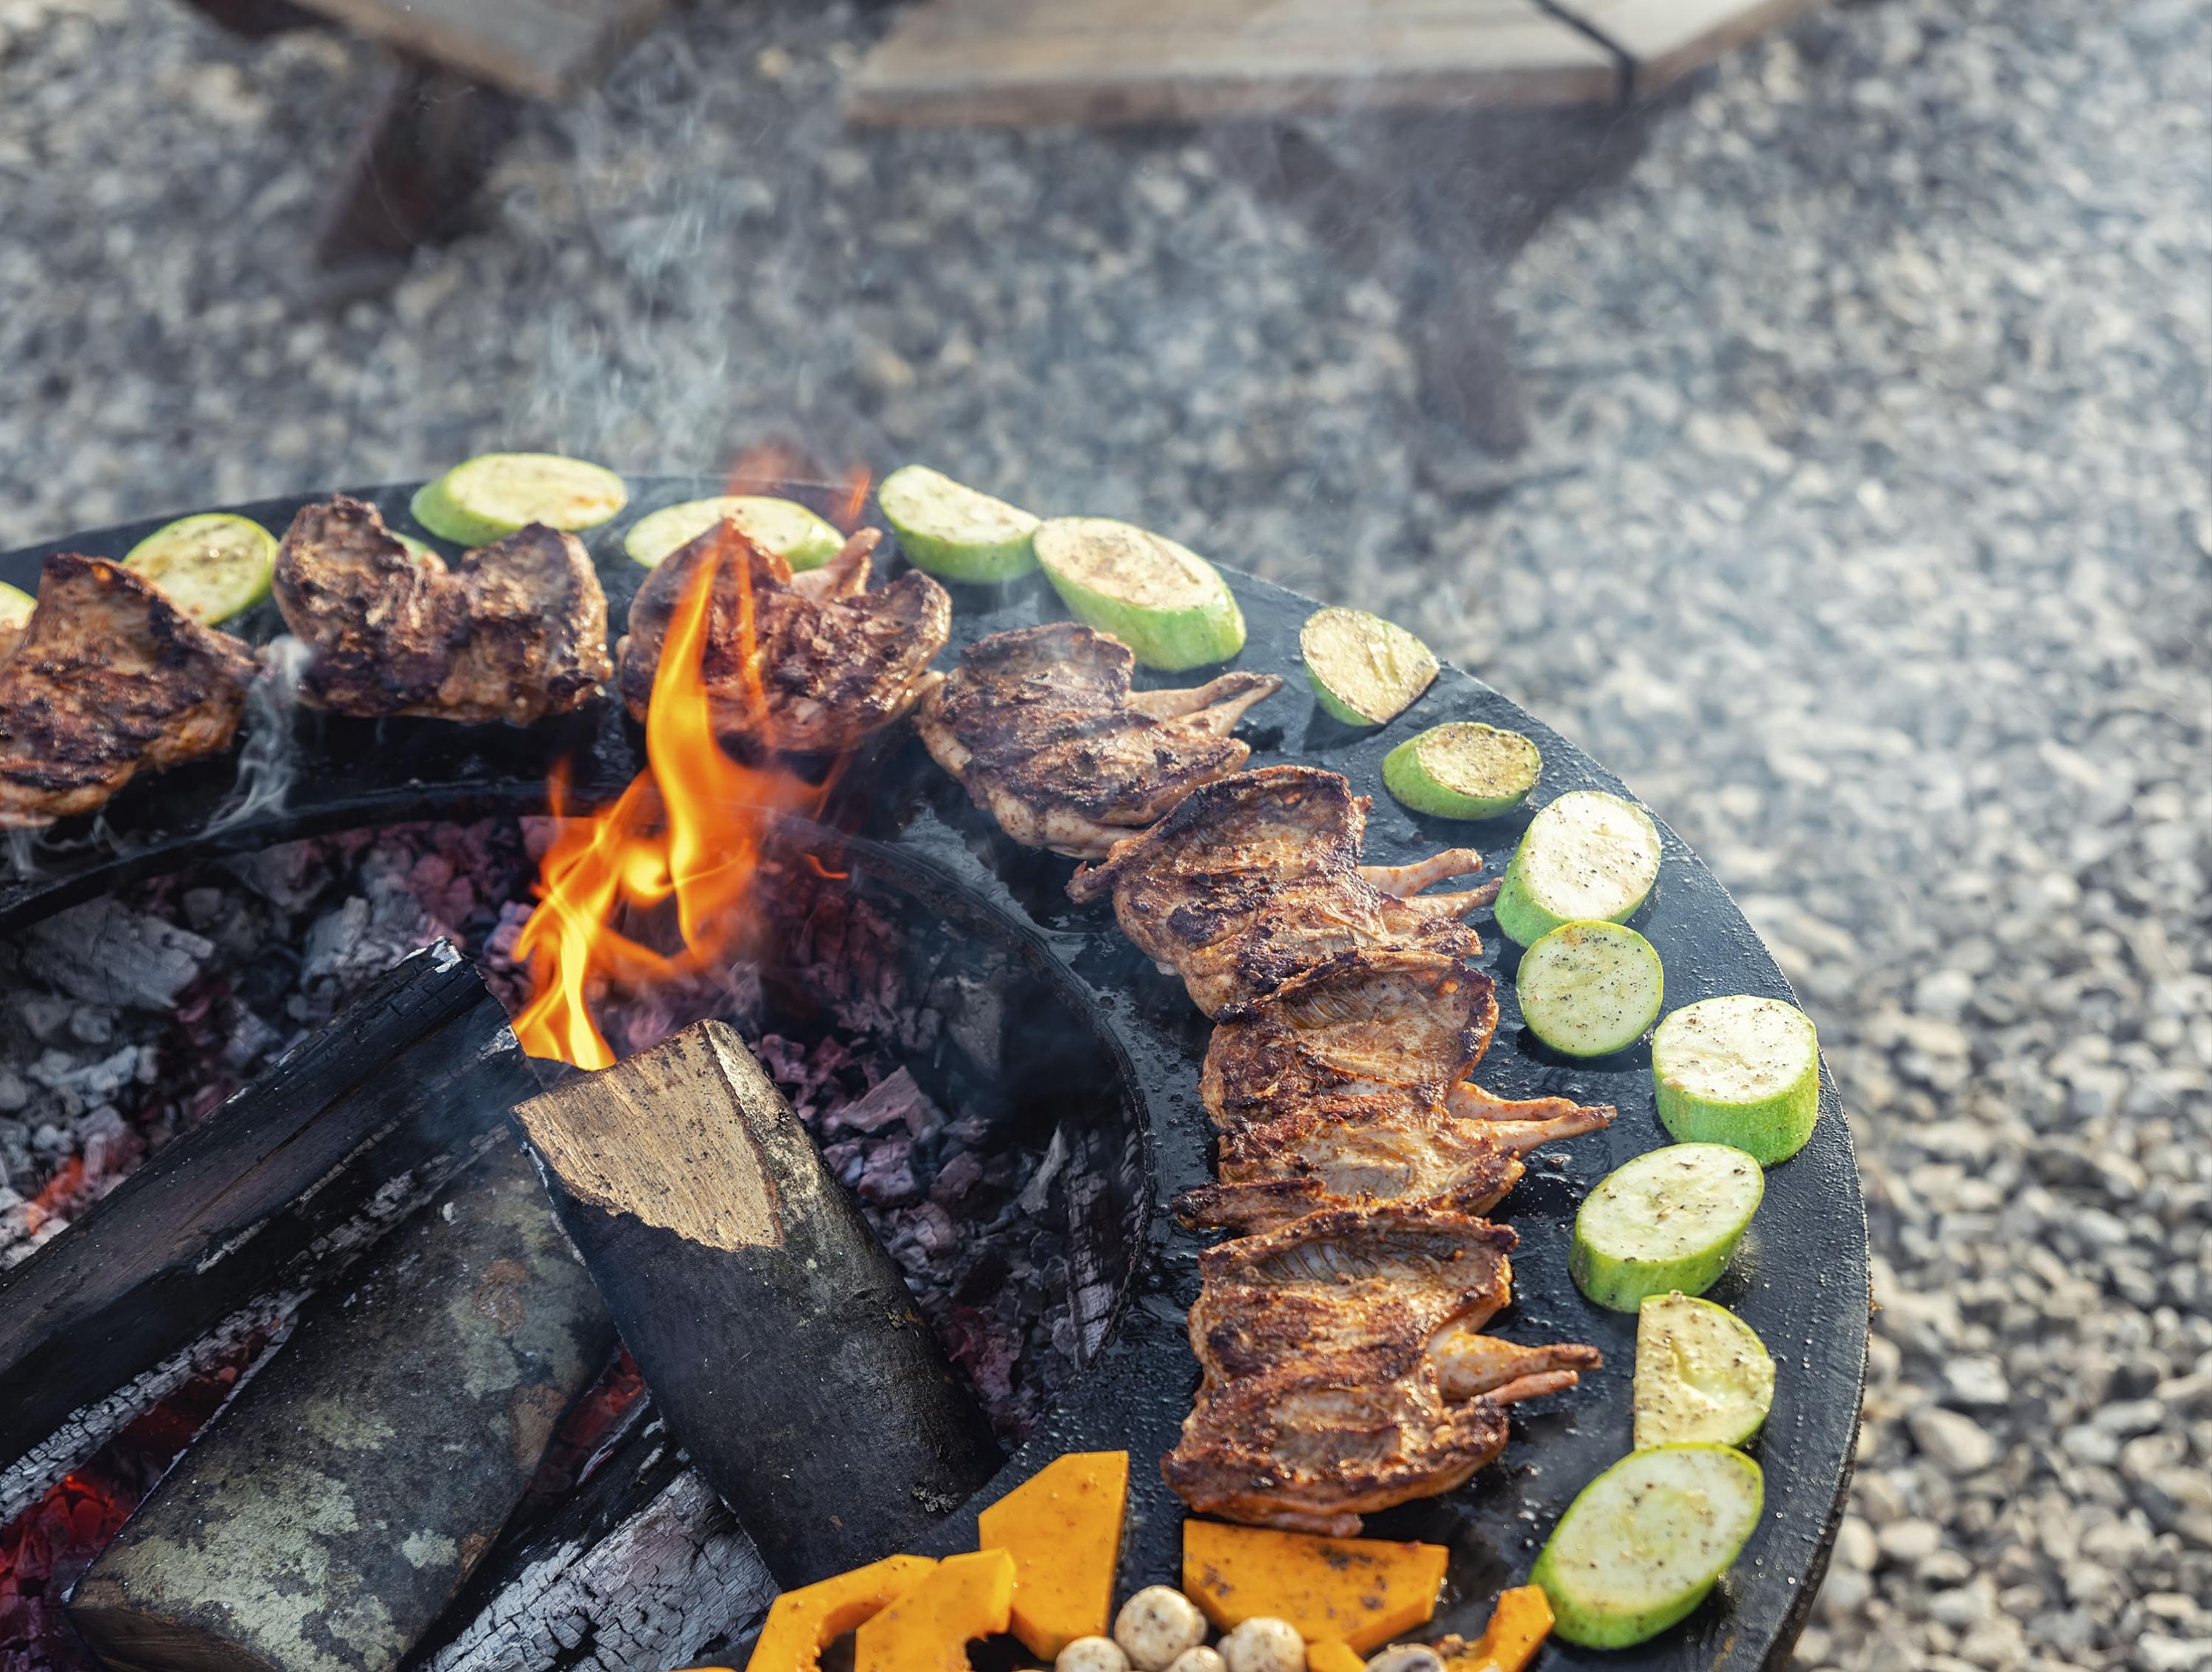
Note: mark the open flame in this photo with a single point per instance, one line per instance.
(689, 830)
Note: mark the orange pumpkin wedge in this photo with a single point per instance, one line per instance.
(799, 1623)
(1359, 1592)
(929, 1629)
(1063, 1528)
(1518, 1626)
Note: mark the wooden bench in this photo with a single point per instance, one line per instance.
(461, 68)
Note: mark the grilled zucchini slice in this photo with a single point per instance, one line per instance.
(782, 525)
(953, 531)
(212, 566)
(1165, 602)
(487, 498)
(1363, 670)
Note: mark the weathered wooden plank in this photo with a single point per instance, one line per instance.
(1034, 62)
(1666, 40)
(280, 1186)
(775, 1334)
(541, 49)
(328, 1515)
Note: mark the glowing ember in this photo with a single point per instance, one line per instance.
(688, 830)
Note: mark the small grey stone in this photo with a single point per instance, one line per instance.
(1977, 1379)
(1908, 1542)
(1955, 1444)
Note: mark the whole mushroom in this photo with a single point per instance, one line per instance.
(1408, 1657)
(1091, 1654)
(1155, 1625)
(1263, 1643)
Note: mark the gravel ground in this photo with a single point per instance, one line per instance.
(1866, 531)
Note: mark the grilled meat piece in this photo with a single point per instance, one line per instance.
(1042, 728)
(1343, 1371)
(809, 664)
(108, 679)
(1257, 876)
(1314, 1453)
(1351, 1291)
(1344, 1086)
(514, 631)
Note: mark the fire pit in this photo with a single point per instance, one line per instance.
(1070, 1004)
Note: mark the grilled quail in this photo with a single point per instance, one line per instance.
(514, 631)
(1343, 1369)
(1359, 1026)
(1257, 876)
(108, 679)
(1042, 726)
(810, 664)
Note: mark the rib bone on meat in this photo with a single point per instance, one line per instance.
(1041, 727)
(1257, 876)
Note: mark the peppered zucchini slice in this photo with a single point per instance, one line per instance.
(15, 607)
(1363, 670)
(1590, 988)
(1702, 1374)
(211, 566)
(782, 525)
(954, 532)
(1668, 1219)
(1586, 855)
(1643, 1544)
(1463, 769)
(1165, 602)
(488, 498)
(1740, 1070)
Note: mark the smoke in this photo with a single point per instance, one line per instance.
(268, 762)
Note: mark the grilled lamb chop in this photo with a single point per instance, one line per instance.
(1343, 1369)
(1041, 726)
(1257, 876)
(108, 679)
(514, 631)
(809, 664)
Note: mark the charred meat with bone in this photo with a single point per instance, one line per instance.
(808, 663)
(1343, 1087)
(1343, 1371)
(1042, 728)
(1257, 876)
(108, 679)
(513, 631)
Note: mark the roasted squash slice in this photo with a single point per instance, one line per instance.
(1063, 1528)
(929, 1629)
(1330, 1655)
(799, 1623)
(1518, 1626)
(1361, 1592)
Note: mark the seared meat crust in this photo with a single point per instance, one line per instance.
(809, 664)
(1042, 728)
(514, 631)
(1257, 876)
(1327, 1348)
(1338, 1089)
(108, 679)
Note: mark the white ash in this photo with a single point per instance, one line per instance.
(125, 1021)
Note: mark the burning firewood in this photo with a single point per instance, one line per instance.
(774, 1333)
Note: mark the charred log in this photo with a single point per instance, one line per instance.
(273, 1194)
(775, 1334)
(333, 1510)
(643, 1568)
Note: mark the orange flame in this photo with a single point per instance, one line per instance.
(54, 1199)
(689, 828)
